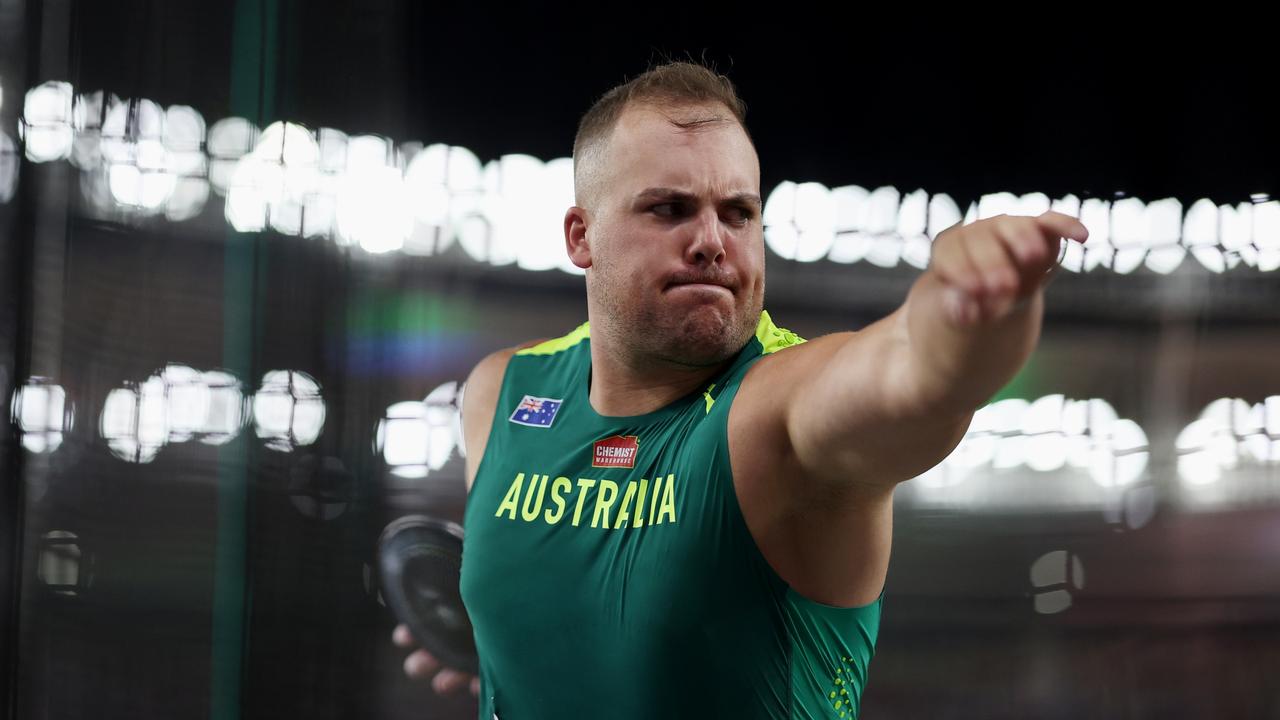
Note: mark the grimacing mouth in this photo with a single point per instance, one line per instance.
(718, 282)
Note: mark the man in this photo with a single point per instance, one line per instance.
(679, 509)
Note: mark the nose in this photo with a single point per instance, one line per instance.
(706, 245)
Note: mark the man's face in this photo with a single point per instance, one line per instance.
(675, 238)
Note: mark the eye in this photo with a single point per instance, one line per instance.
(668, 209)
(740, 215)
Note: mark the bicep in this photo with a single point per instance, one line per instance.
(852, 413)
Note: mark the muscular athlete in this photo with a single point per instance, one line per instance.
(757, 591)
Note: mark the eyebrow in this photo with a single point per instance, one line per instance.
(664, 193)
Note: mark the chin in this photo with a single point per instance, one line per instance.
(708, 337)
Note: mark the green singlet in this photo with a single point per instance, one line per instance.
(609, 573)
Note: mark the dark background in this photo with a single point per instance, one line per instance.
(236, 580)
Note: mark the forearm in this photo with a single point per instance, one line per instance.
(888, 402)
(954, 366)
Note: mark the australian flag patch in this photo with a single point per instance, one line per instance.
(536, 411)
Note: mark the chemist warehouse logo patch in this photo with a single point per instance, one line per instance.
(617, 451)
(536, 411)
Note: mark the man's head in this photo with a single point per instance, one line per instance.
(667, 217)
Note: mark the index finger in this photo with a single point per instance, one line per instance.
(1063, 226)
(401, 637)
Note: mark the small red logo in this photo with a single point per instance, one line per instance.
(617, 451)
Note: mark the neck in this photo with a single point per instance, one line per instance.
(622, 386)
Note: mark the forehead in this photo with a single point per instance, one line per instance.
(647, 147)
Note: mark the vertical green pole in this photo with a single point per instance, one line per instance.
(253, 91)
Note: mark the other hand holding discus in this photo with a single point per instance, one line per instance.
(421, 665)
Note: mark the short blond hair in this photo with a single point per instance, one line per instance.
(671, 85)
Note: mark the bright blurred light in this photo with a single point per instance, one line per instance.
(292, 146)
(1047, 435)
(184, 134)
(319, 206)
(1266, 234)
(87, 116)
(272, 182)
(130, 127)
(443, 185)
(417, 438)
(1237, 234)
(288, 411)
(1096, 215)
(45, 127)
(187, 199)
(187, 402)
(372, 205)
(882, 224)
(800, 221)
(1227, 433)
(295, 152)
(995, 204)
(912, 223)
(1200, 235)
(509, 211)
(1164, 222)
(550, 193)
(1067, 205)
(943, 214)
(227, 408)
(852, 211)
(1001, 203)
(42, 414)
(176, 404)
(520, 214)
(1130, 234)
(138, 163)
(138, 187)
(135, 420)
(372, 210)
(249, 194)
(332, 147)
(229, 140)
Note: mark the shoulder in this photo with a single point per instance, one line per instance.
(480, 402)
(759, 425)
(778, 372)
(786, 359)
(485, 381)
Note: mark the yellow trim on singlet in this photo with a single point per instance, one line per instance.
(772, 337)
(560, 344)
(710, 400)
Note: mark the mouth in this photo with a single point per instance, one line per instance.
(696, 284)
(699, 287)
(699, 283)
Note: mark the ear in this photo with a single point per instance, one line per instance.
(575, 237)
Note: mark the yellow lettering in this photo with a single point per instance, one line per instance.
(639, 521)
(623, 514)
(604, 500)
(512, 500)
(584, 484)
(668, 501)
(560, 486)
(540, 481)
(653, 501)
